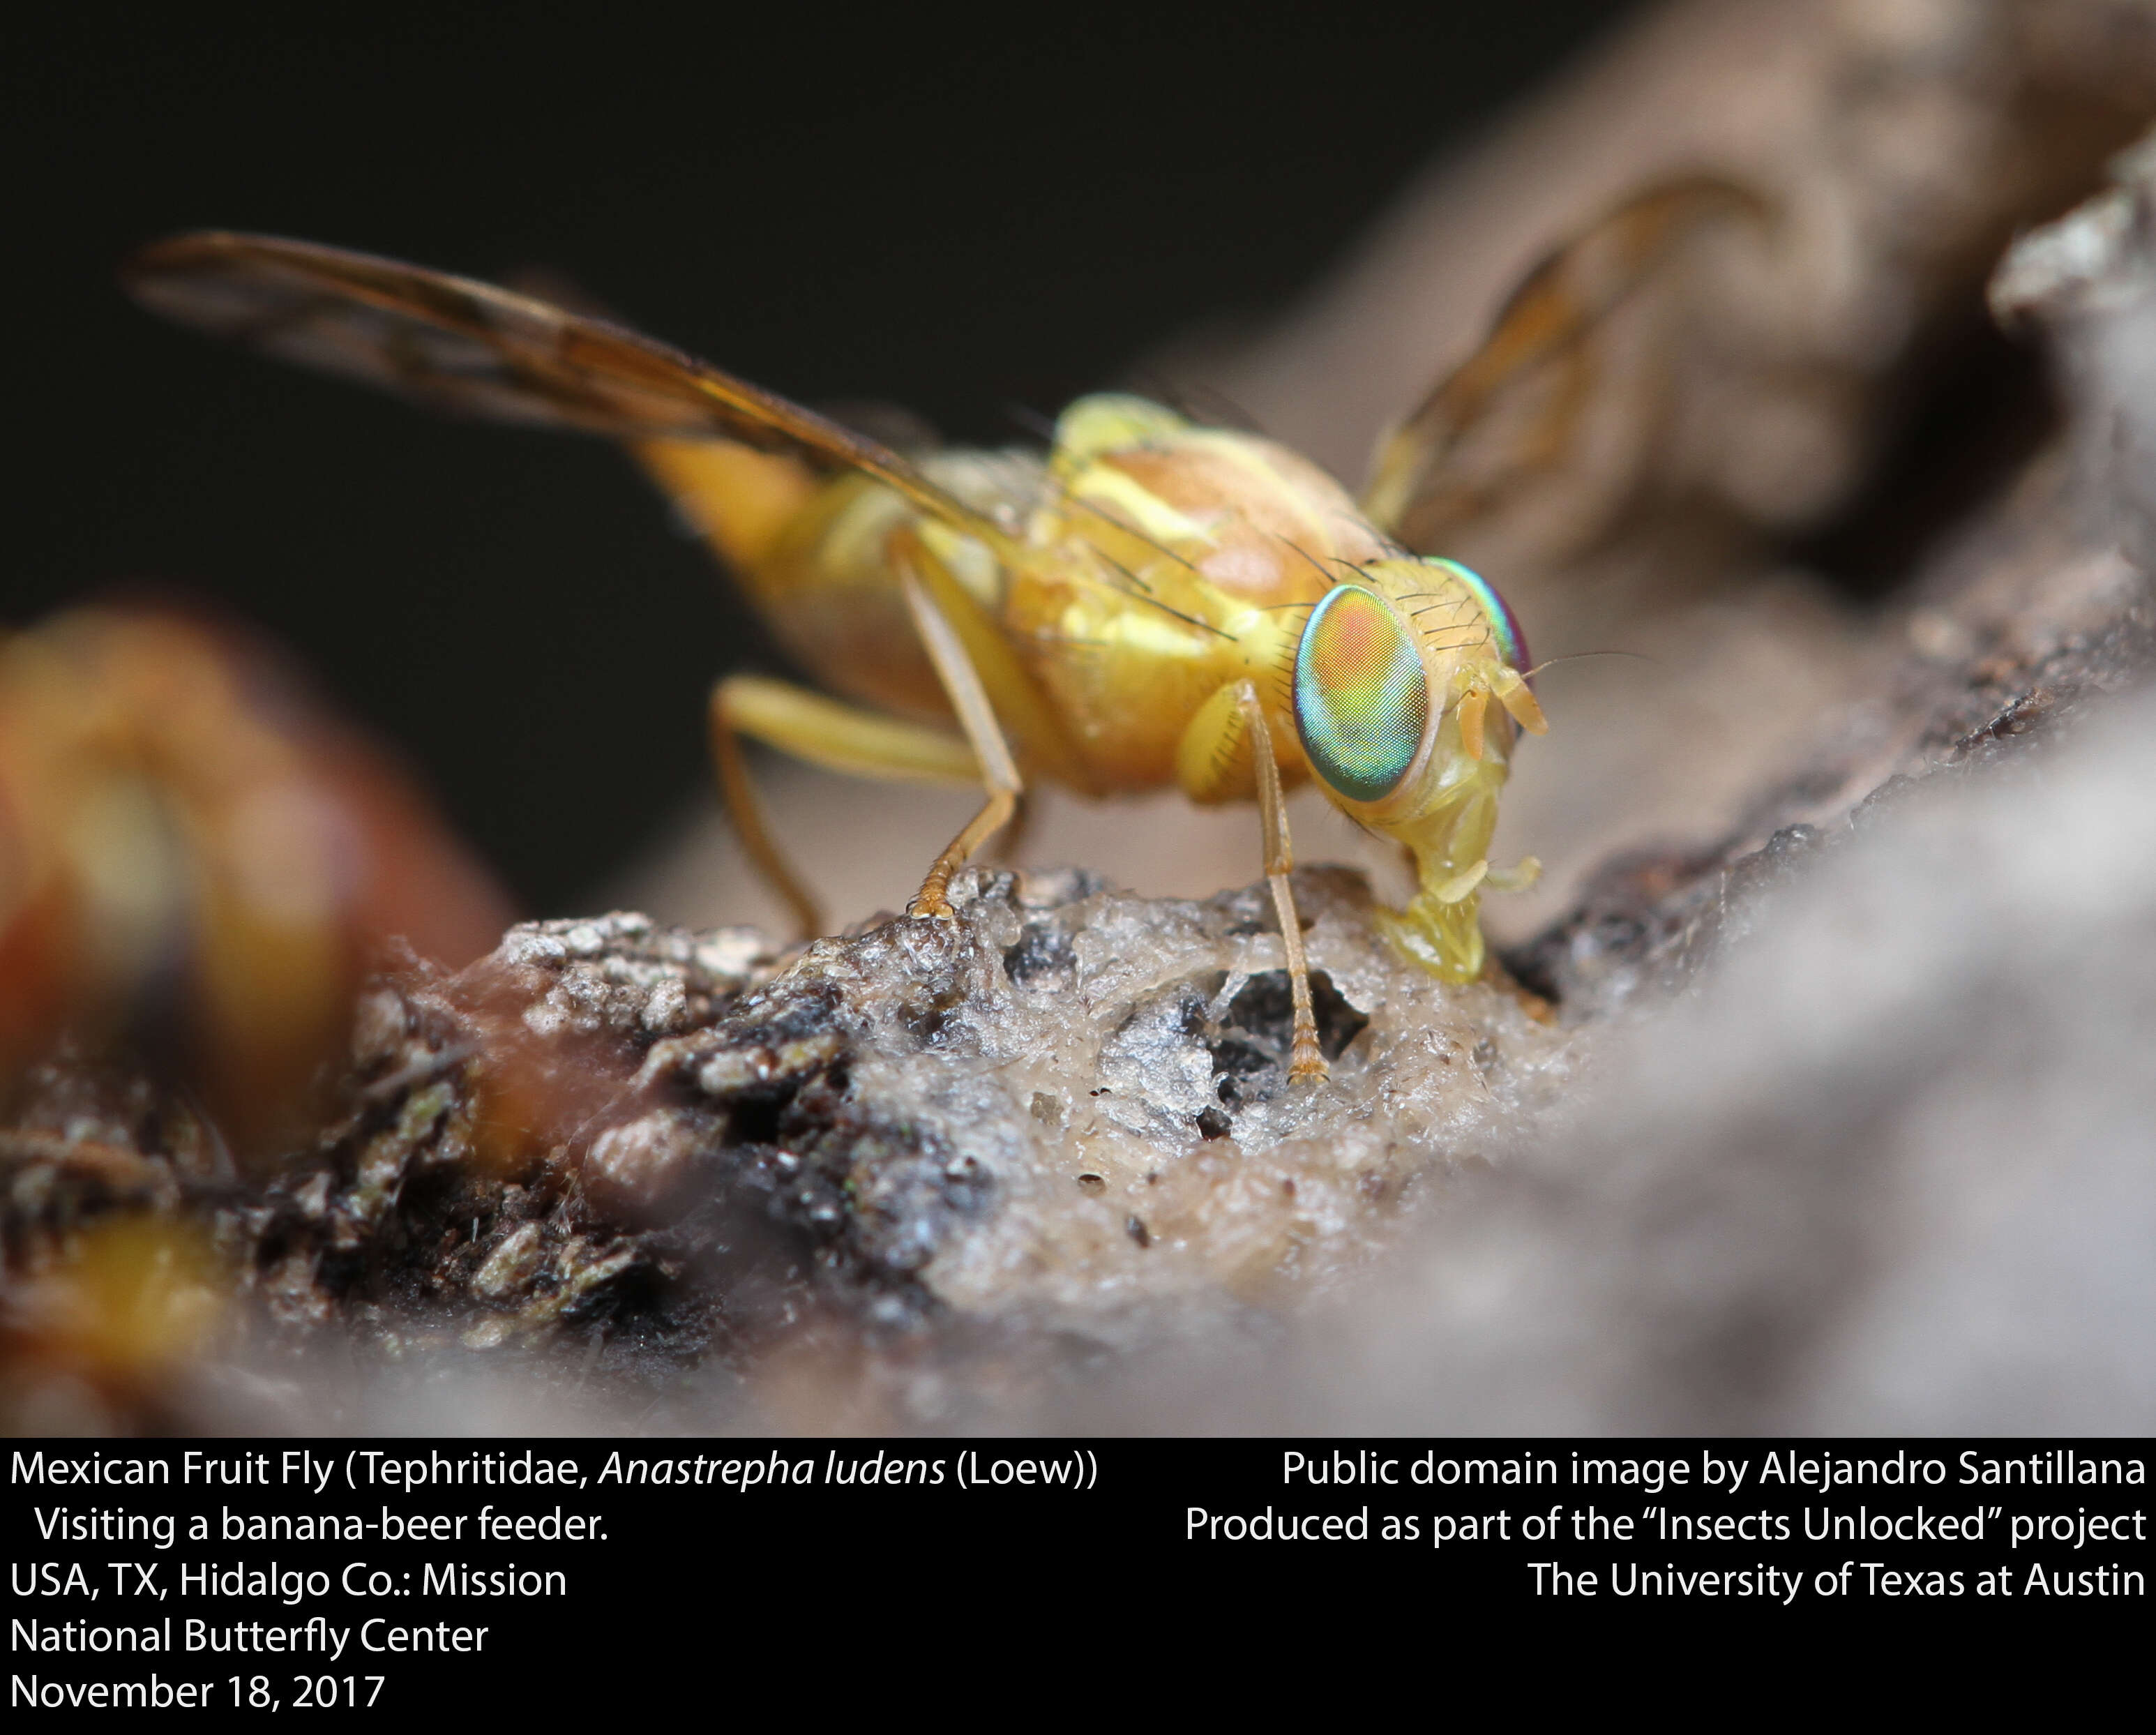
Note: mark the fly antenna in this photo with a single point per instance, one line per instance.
(1581, 656)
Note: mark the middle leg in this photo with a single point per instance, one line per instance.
(977, 717)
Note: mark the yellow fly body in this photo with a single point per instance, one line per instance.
(1162, 598)
(1152, 603)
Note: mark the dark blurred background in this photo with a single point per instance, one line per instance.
(901, 209)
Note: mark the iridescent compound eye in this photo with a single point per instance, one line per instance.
(1361, 700)
(1511, 642)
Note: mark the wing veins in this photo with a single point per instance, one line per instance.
(542, 363)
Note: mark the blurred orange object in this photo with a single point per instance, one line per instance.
(197, 861)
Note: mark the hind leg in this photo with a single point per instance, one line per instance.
(826, 732)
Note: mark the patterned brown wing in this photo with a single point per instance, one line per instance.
(469, 348)
(1538, 360)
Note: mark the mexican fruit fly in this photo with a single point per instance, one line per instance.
(1152, 603)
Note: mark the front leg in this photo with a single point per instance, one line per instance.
(1226, 750)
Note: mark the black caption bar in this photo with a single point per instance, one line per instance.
(384, 1576)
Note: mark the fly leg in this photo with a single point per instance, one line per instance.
(1309, 1059)
(990, 691)
(992, 754)
(972, 661)
(824, 731)
(1226, 754)
(1015, 834)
